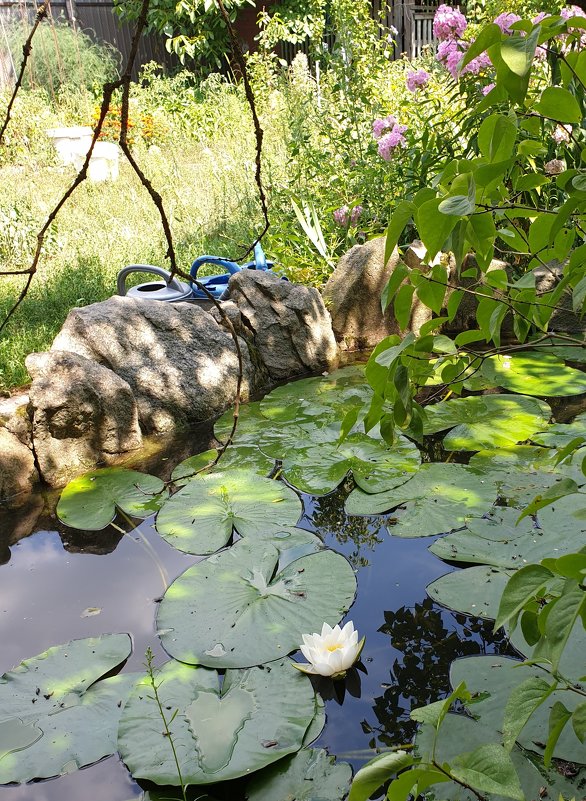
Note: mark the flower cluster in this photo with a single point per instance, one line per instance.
(506, 20)
(416, 80)
(562, 133)
(451, 52)
(344, 216)
(448, 23)
(379, 126)
(554, 167)
(392, 140)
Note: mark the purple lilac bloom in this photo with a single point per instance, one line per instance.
(391, 140)
(481, 62)
(379, 126)
(416, 80)
(505, 20)
(341, 216)
(540, 17)
(572, 11)
(355, 214)
(448, 23)
(445, 48)
(488, 89)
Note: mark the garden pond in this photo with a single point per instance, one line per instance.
(298, 524)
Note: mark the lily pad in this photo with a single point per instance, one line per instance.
(437, 500)
(498, 676)
(497, 541)
(309, 775)
(460, 733)
(317, 398)
(202, 516)
(220, 729)
(56, 715)
(474, 591)
(236, 457)
(486, 421)
(532, 373)
(250, 424)
(559, 435)
(319, 468)
(240, 608)
(90, 501)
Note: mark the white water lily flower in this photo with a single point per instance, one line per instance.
(332, 652)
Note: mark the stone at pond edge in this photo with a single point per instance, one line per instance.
(82, 413)
(352, 295)
(180, 364)
(17, 471)
(290, 325)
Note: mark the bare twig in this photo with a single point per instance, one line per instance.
(26, 51)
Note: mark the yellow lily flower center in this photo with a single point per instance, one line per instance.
(335, 647)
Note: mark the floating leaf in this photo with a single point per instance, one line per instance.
(307, 776)
(90, 501)
(236, 457)
(318, 469)
(561, 434)
(221, 729)
(241, 607)
(497, 541)
(474, 591)
(531, 373)
(202, 516)
(486, 421)
(499, 676)
(56, 716)
(438, 499)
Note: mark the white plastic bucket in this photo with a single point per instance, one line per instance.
(71, 142)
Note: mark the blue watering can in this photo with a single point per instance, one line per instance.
(176, 291)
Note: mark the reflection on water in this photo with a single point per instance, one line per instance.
(55, 575)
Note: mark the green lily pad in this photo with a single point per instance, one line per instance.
(474, 591)
(486, 421)
(221, 729)
(568, 353)
(90, 501)
(57, 716)
(460, 733)
(531, 373)
(241, 608)
(251, 423)
(319, 468)
(437, 500)
(559, 435)
(497, 541)
(317, 398)
(498, 676)
(236, 457)
(309, 775)
(202, 516)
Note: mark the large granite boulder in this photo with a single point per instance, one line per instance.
(353, 297)
(18, 473)
(14, 415)
(180, 364)
(82, 415)
(290, 326)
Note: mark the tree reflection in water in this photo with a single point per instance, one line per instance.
(429, 638)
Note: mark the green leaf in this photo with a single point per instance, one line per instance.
(496, 137)
(402, 305)
(312, 773)
(521, 704)
(434, 714)
(518, 51)
(558, 717)
(523, 586)
(414, 783)
(560, 621)
(531, 373)
(56, 715)
(488, 36)
(488, 769)
(376, 772)
(202, 516)
(473, 591)
(397, 277)
(90, 501)
(438, 499)
(579, 721)
(244, 457)
(433, 226)
(559, 104)
(400, 216)
(242, 607)
(222, 731)
(432, 289)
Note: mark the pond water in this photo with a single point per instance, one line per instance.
(58, 585)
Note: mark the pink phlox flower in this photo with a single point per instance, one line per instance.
(487, 89)
(379, 126)
(341, 215)
(450, 53)
(392, 140)
(554, 167)
(416, 80)
(505, 20)
(448, 23)
(481, 62)
(572, 11)
(355, 214)
(540, 17)
(445, 48)
(561, 134)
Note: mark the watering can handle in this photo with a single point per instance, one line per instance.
(230, 266)
(145, 268)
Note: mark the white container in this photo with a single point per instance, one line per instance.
(103, 164)
(71, 142)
